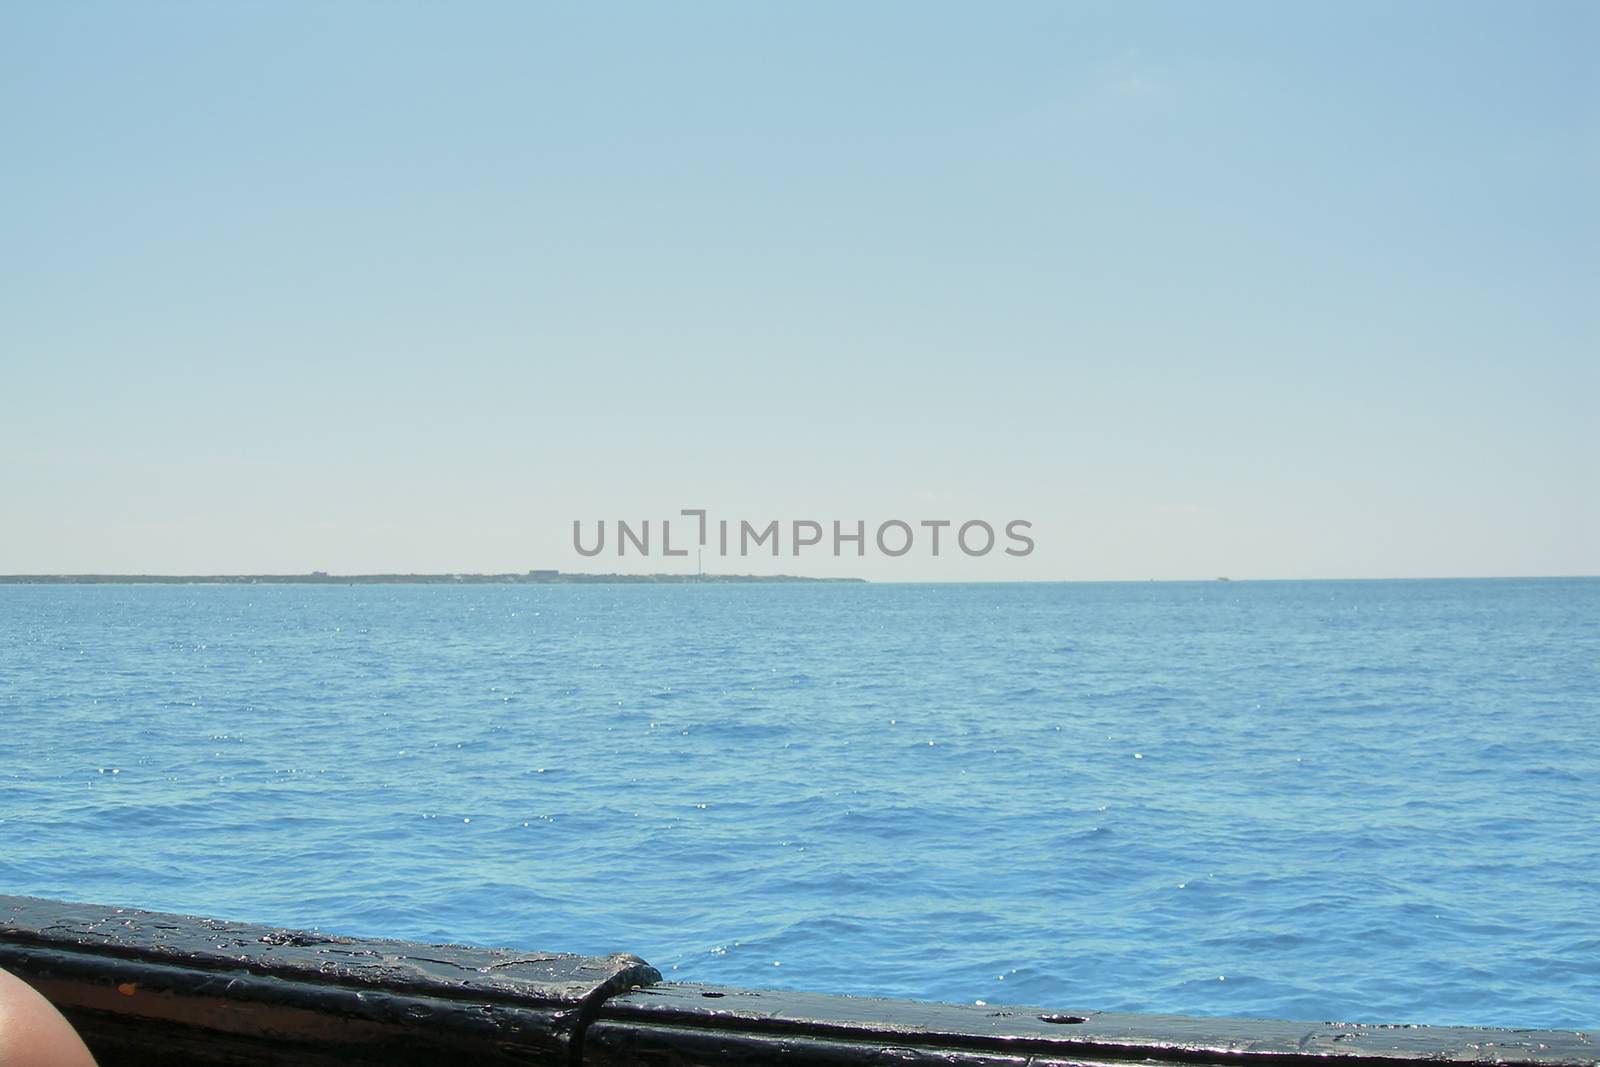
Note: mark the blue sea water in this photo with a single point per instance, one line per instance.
(1315, 800)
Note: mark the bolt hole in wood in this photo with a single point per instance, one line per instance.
(1063, 1018)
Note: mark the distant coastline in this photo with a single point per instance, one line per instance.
(537, 577)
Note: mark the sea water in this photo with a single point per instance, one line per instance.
(1313, 800)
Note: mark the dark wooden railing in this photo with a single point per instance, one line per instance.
(147, 988)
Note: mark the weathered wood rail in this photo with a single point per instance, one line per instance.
(148, 988)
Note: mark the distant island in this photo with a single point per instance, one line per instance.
(536, 577)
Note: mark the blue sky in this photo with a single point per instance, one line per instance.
(1261, 290)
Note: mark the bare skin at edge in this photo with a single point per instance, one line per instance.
(33, 1033)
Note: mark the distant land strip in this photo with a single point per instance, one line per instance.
(323, 578)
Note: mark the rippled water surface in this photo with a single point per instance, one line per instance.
(1375, 800)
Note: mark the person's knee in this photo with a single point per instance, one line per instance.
(32, 1033)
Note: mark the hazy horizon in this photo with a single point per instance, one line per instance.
(332, 578)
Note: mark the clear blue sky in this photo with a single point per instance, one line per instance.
(1262, 290)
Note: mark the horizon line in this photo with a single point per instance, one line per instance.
(556, 577)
